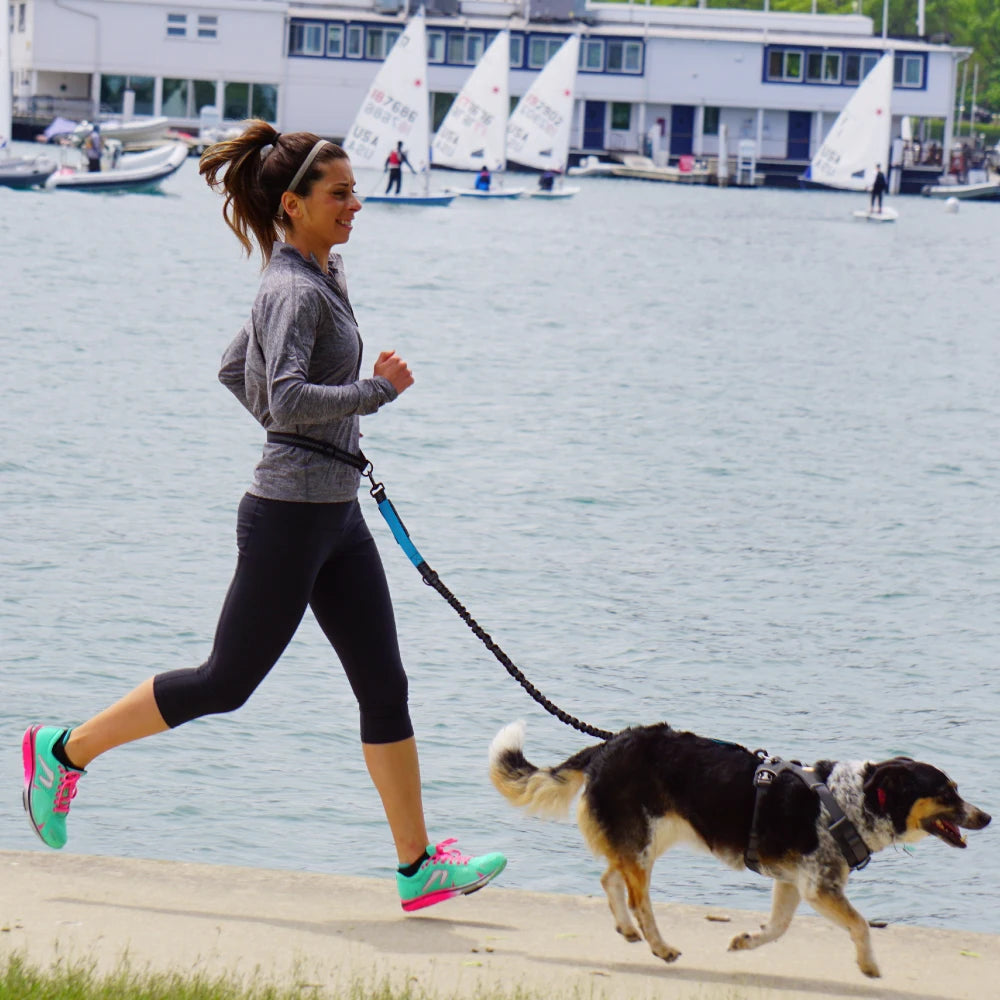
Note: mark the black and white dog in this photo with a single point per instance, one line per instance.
(651, 787)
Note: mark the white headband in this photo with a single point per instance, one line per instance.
(306, 164)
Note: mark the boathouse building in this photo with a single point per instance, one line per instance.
(651, 78)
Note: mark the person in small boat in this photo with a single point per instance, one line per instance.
(547, 179)
(879, 187)
(483, 180)
(92, 147)
(302, 541)
(394, 164)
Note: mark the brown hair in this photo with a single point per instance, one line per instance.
(257, 168)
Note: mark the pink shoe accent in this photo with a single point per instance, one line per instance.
(430, 899)
(452, 857)
(66, 790)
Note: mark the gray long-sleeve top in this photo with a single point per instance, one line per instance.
(294, 365)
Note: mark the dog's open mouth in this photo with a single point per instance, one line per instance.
(945, 830)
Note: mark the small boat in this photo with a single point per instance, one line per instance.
(136, 133)
(887, 214)
(556, 194)
(981, 191)
(643, 168)
(400, 83)
(592, 166)
(132, 172)
(858, 141)
(474, 132)
(538, 129)
(26, 172)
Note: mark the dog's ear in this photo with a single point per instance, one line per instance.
(886, 789)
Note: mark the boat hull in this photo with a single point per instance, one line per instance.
(23, 174)
(140, 172)
(965, 192)
(507, 193)
(886, 215)
(555, 195)
(408, 199)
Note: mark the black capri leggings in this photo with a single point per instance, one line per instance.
(292, 555)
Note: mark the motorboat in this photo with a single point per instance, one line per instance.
(26, 172)
(687, 171)
(129, 172)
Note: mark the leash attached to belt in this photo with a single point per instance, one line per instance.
(430, 577)
(854, 849)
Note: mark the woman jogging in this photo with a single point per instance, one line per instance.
(301, 537)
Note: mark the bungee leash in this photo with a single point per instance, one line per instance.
(430, 577)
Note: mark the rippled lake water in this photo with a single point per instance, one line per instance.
(723, 458)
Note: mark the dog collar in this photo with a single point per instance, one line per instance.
(853, 848)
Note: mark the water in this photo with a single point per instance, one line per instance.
(724, 458)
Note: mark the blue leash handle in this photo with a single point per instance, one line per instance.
(399, 531)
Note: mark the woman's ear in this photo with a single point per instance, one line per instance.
(290, 205)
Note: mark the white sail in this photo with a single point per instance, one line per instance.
(5, 90)
(474, 131)
(859, 139)
(539, 127)
(396, 107)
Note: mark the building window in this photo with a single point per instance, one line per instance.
(305, 38)
(784, 64)
(113, 87)
(621, 116)
(208, 26)
(908, 71)
(857, 65)
(22, 17)
(376, 43)
(435, 46)
(177, 25)
(355, 34)
(541, 49)
(456, 48)
(823, 67)
(592, 55)
(264, 101)
(250, 100)
(710, 125)
(473, 49)
(516, 51)
(624, 57)
(335, 40)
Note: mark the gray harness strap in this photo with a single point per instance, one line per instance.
(854, 849)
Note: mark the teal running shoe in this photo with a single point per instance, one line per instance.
(49, 786)
(446, 873)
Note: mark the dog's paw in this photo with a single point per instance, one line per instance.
(629, 933)
(665, 952)
(743, 942)
(870, 969)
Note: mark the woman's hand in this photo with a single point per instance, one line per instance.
(391, 366)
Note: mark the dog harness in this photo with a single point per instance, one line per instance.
(854, 849)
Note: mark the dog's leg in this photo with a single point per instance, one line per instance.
(637, 881)
(831, 903)
(614, 889)
(784, 901)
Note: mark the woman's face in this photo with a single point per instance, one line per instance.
(326, 215)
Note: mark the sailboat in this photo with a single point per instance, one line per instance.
(859, 140)
(397, 108)
(15, 172)
(473, 134)
(539, 127)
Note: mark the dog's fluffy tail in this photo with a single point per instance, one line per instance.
(543, 791)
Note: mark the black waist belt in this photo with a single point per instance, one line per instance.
(320, 447)
(854, 849)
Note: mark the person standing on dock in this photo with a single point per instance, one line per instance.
(879, 187)
(302, 541)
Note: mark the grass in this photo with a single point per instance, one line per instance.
(21, 980)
